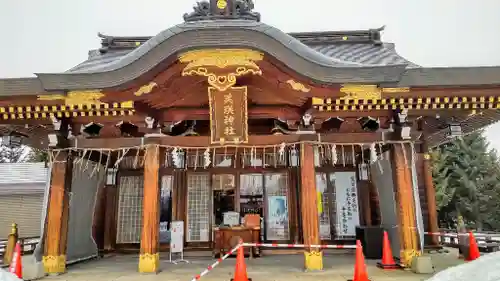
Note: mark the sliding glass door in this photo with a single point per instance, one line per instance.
(266, 194)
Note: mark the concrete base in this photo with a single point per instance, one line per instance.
(32, 269)
(422, 265)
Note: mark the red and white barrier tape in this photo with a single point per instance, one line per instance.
(268, 245)
(447, 234)
(212, 266)
(274, 245)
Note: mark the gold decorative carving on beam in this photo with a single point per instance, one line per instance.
(145, 89)
(297, 86)
(361, 92)
(76, 97)
(221, 66)
(396, 90)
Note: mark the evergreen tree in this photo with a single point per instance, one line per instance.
(37, 155)
(11, 154)
(467, 180)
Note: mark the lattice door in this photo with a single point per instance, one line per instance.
(130, 198)
(198, 207)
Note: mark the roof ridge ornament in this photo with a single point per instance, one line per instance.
(223, 9)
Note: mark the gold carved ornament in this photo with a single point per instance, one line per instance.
(297, 86)
(221, 4)
(313, 260)
(54, 264)
(145, 89)
(76, 97)
(221, 66)
(367, 92)
(149, 263)
(361, 92)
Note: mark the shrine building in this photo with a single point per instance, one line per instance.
(306, 136)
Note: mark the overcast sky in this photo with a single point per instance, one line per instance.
(55, 35)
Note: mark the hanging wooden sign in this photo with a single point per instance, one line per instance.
(228, 115)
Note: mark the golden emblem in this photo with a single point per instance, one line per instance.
(297, 86)
(146, 89)
(360, 92)
(227, 64)
(76, 97)
(221, 4)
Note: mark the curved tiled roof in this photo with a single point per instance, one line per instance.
(354, 54)
(344, 48)
(226, 33)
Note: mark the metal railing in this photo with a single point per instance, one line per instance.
(28, 244)
(487, 241)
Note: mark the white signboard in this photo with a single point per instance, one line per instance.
(346, 194)
(231, 218)
(177, 237)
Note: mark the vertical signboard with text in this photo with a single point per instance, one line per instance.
(228, 115)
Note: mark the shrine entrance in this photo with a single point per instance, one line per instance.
(226, 193)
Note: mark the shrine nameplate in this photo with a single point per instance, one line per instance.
(228, 115)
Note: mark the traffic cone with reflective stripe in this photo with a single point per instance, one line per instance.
(387, 258)
(16, 266)
(240, 271)
(360, 266)
(473, 249)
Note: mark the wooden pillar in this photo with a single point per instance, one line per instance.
(309, 208)
(430, 194)
(401, 157)
(149, 260)
(111, 192)
(364, 191)
(56, 231)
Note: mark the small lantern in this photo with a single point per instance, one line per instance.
(454, 130)
(294, 157)
(111, 176)
(363, 171)
(13, 139)
(405, 132)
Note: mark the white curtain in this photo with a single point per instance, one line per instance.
(85, 183)
(381, 172)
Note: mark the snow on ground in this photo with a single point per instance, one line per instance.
(7, 276)
(485, 268)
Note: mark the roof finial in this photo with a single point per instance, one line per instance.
(223, 9)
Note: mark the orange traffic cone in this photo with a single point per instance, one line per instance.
(240, 271)
(16, 266)
(360, 266)
(387, 258)
(473, 249)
